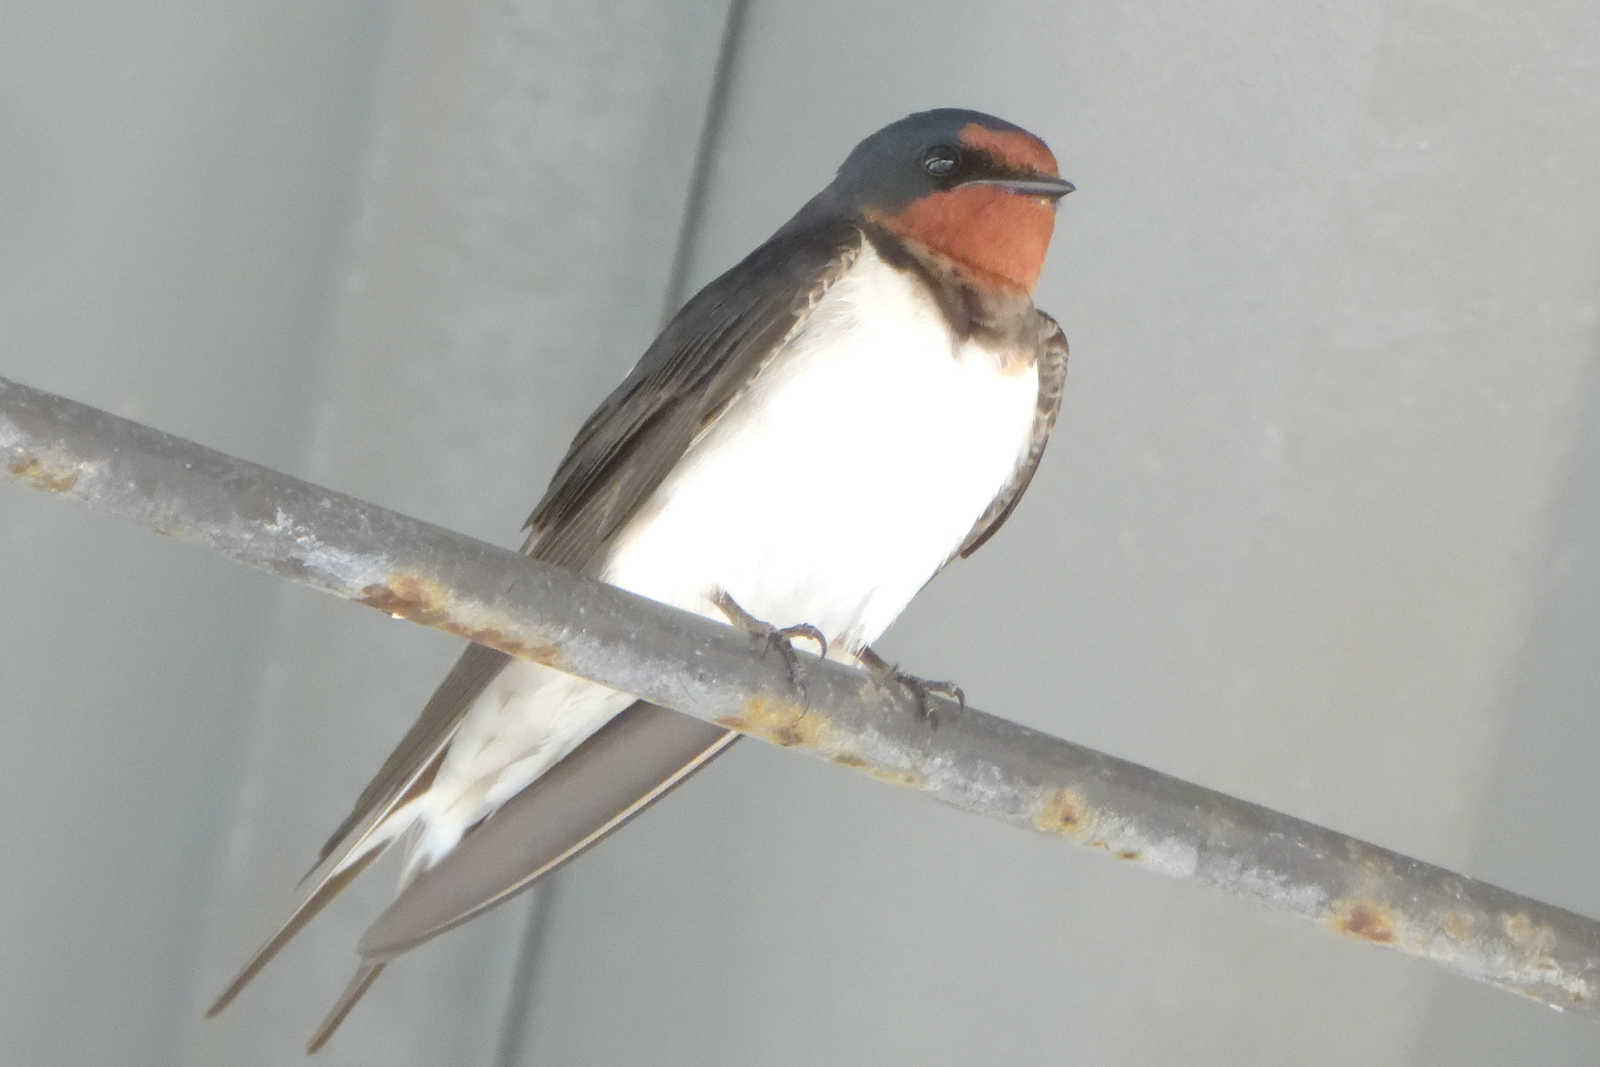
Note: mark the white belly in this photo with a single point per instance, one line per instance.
(842, 480)
(828, 493)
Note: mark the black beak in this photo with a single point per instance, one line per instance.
(1050, 188)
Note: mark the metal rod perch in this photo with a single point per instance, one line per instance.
(972, 761)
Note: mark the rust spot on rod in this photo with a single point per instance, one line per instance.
(424, 600)
(791, 725)
(1457, 925)
(909, 779)
(780, 722)
(1528, 935)
(1364, 921)
(1062, 812)
(39, 475)
(410, 596)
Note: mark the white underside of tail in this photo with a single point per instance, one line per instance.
(828, 493)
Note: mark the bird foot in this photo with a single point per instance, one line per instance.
(922, 689)
(779, 640)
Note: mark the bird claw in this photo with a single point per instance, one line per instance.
(778, 640)
(921, 688)
(787, 635)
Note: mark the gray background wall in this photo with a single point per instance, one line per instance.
(1320, 527)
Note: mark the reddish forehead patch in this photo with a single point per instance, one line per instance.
(1011, 147)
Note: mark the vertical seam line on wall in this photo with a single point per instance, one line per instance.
(519, 999)
(704, 157)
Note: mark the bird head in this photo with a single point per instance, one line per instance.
(969, 187)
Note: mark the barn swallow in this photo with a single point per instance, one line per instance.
(815, 435)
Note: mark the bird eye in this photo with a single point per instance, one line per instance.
(939, 160)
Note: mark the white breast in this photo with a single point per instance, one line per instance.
(844, 477)
(827, 493)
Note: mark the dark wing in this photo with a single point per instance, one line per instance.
(1052, 382)
(702, 360)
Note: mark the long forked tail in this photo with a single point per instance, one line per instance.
(360, 982)
(305, 910)
(369, 830)
(634, 760)
(630, 763)
(338, 868)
